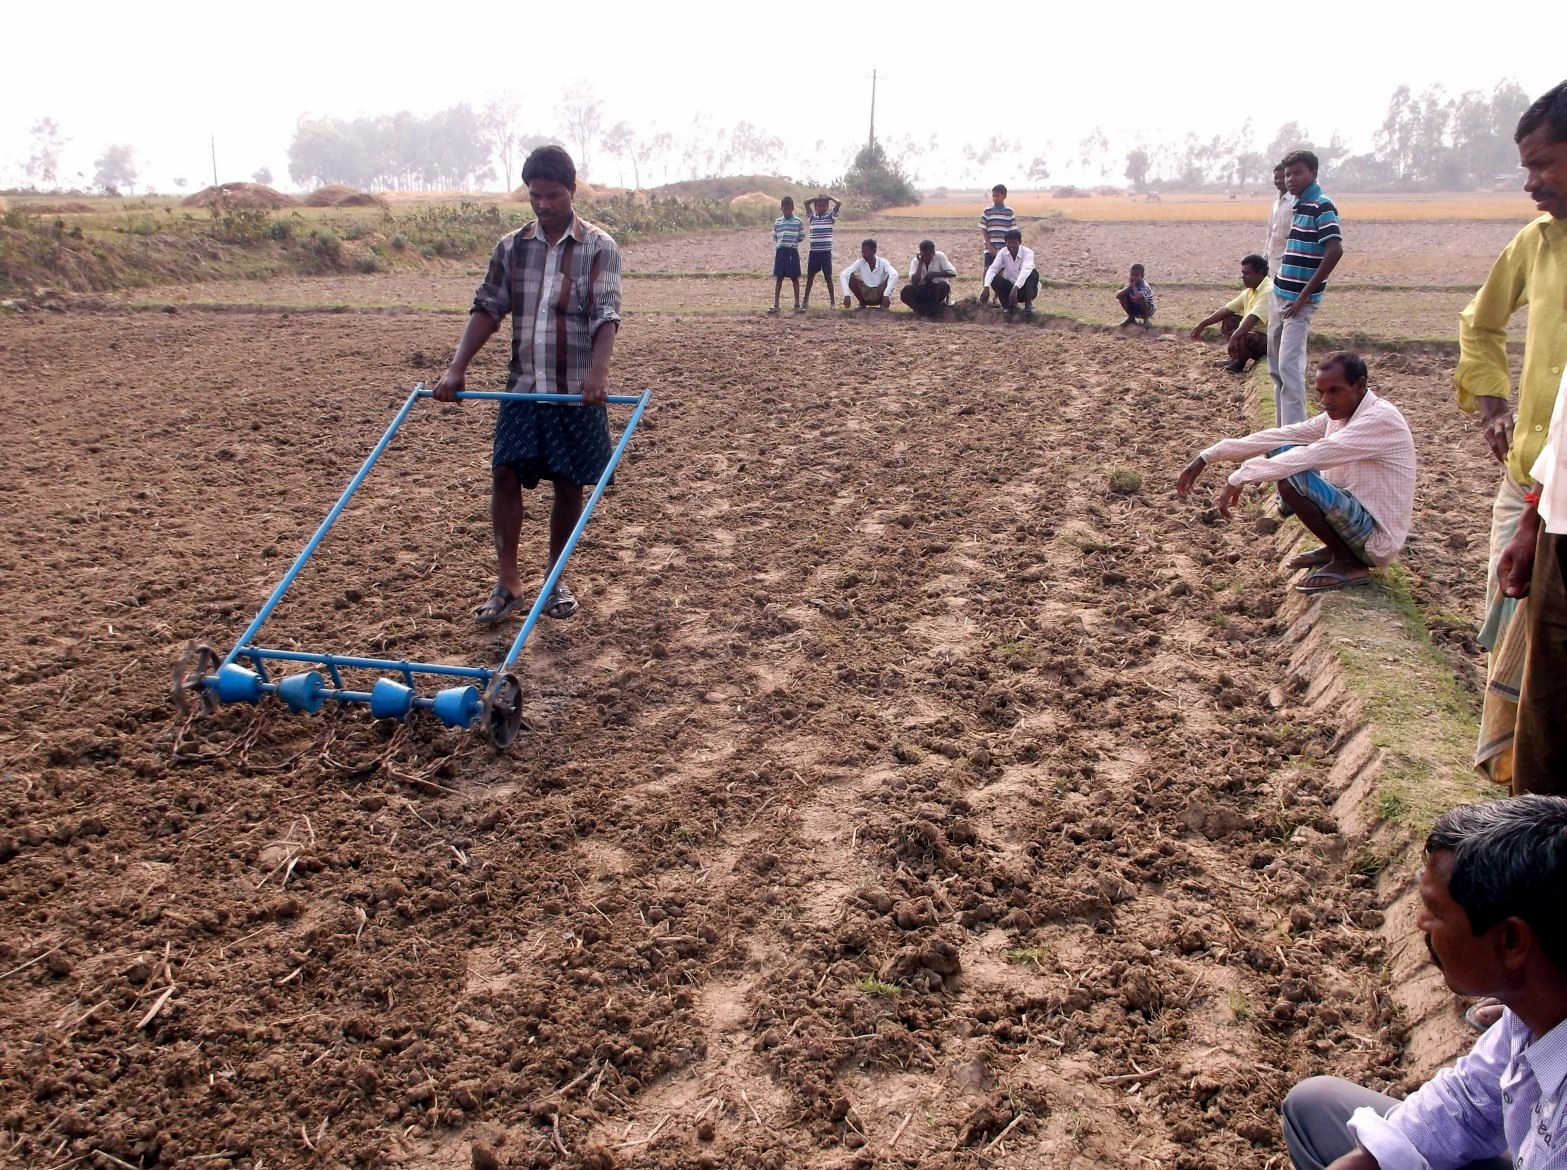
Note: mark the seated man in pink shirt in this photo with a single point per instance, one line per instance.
(1348, 473)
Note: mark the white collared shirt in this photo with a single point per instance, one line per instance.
(1279, 230)
(871, 274)
(1550, 469)
(1014, 268)
(940, 269)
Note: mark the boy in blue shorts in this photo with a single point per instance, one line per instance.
(788, 231)
(823, 212)
(1136, 298)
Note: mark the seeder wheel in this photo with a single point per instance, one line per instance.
(191, 695)
(503, 709)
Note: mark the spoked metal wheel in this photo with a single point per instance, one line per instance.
(503, 709)
(191, 695)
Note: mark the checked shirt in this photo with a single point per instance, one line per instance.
(558, 297)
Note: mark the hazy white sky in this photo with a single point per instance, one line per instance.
(163, 78)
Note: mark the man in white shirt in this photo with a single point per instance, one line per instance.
(1534, 565)
(1013, 277)
(1279, 222)
(1493, 909)
(1360, 507)
(870, 280)
(930, 274)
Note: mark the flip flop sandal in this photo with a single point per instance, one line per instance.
(1338, 581)
(562, 603)
(1310, 560)
(499, 606)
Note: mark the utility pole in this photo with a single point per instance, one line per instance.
(212, 142)
(873, 108)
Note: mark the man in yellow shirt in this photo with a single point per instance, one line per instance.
(1244, 321)
(1532, 270)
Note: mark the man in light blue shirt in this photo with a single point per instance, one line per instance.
(1494, 913)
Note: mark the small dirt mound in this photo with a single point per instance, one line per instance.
(240, 195)
(338, 195)
(752, 201)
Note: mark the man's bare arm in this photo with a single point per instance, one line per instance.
(595, 385)
(1212, 318)
(481, 327)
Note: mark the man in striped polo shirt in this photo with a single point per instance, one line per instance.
(994, 223)
(1310, 255)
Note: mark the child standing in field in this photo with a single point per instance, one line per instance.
(823, 212)
(1136, 298)
(994, 224)
(788, 231)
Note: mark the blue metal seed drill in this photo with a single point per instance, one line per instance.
(202, 679)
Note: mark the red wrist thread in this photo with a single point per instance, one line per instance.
(1532, 498)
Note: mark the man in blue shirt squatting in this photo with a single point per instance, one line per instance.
(1494, 913)
(559, 278)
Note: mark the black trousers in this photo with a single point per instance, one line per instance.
(927, 298)
(1025, 293)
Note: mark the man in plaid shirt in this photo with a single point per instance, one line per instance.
(559, 278)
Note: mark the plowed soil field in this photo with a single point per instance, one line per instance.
(920, 784)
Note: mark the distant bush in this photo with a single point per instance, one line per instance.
(876, 181)
(321, 251)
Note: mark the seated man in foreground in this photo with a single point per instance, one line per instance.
(870, 279)
(1244, 321)
(930, 276)
(1494, 914)
(1360, 508)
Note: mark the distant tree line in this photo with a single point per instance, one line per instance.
(1428, 141)
(398, 152)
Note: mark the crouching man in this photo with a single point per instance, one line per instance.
(1494, 914)
(1244, 321)
(930, 281)
(1348, 473)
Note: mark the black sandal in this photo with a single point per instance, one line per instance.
(499, 606)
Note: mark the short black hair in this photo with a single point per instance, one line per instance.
(1255, 262)
(789, 199)
(551, 163)
(1549, 110)
(1000, 188)
(931, 244)
(1510, 861)
(1278, 166)
(867, 243)
(1013, 234)
(1353, 365)
(1302, 156)
(1139, 268)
